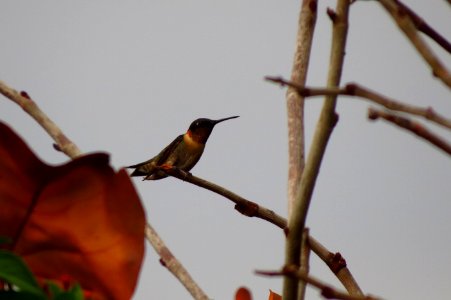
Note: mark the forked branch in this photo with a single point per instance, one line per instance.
(412, 126)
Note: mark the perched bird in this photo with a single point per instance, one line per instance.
(183, 153)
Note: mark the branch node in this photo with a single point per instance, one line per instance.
(313, 6)
(57, 147)
(336, 262)
(373, 114)
(25, 95)
(350, 89)
(332, 14)
(162, 262)
(335, 119)
(249, 209)
(286, 231)
(328, 293)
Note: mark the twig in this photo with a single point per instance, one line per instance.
(29, 106)
(406, 24)
(244, 206)
(356, 90)
(325, 125)
(413, 126)
(71, 150)
(173, 264)
(424, 27)
(295, 102)
(337, 264)
(327, 291)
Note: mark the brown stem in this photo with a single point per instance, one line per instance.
(337, 264)
(413, 126)
(424, 27)
(244, 206)
(356, 90)
(406, 24)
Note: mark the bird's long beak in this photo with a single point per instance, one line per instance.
(225, 119)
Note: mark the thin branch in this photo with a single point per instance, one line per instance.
(424, 27)
(173, 264)
(406, 24)
(325, 125)
(327, 291)
(356, 90)
(413, 126)
(28, 105)
(295, 102)
(244, 206)
(70, 149)
(251, 209)
(337, 264)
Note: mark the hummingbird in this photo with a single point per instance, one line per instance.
(183, 153)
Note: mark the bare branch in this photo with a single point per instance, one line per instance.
(173, 264)
(327, 291)
(28, 105)
(325, 125)
(406, 24)
(337, 264)
(424, 27)
(356, 90)
(413, 126)
(295, 102)
(244, 206)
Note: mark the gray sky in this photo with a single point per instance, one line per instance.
(128, 77)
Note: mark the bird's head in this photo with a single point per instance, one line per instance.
(200, 129)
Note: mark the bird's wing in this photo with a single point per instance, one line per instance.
(164, 154)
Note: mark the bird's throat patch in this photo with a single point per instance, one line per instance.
(192, 141)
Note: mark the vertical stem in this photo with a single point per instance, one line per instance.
(305, 266)
(295, 103)
(326, 123)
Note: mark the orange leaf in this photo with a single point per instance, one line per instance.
(274, 296)
(243, 294)
(80, 220)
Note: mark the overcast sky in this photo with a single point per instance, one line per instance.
(128, 77)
